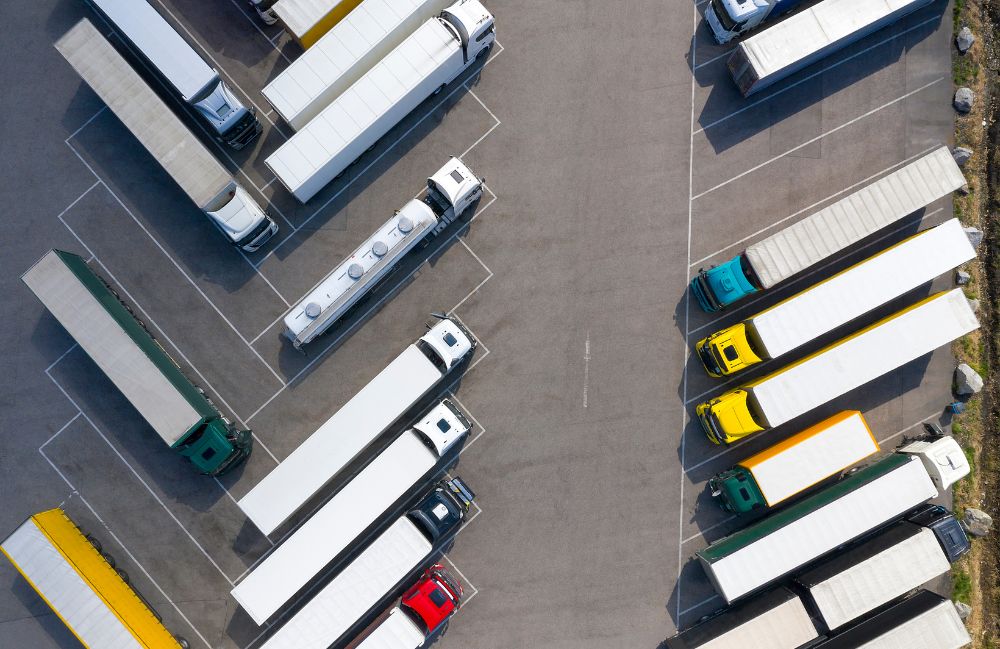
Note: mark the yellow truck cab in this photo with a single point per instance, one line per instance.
(727, 351)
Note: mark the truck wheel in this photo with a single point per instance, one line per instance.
(182, 642)
(439, 89)
(110, 559)
(94, 542)
(124, 576)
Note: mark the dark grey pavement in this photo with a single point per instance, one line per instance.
(615, 172)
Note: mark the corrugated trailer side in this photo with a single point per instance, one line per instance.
(81, 587)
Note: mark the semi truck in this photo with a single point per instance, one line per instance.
(189, 78)
(838, 368)
(829, 231)
(728, 19)
(344, 54)
(335, 444)
(83, 588)
(357, 506)
(822, 600)
(450, 191)
(836, 301)
(185, 159)
(924, 620)
(105, 328)
(424, 607)
(889, 565)
(376, 572)
(809, 36)
(804, 531)
(424, 63)
(771, 477)
(308, 20)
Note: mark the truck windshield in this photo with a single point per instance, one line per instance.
(725, 19)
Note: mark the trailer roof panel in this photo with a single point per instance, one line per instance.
(866, 355)
(131, 99)
(853, 218)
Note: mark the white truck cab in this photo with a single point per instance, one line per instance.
(449, 341)
(241, 219)
(453, 189)
(730, 18)
(943, 459)
(474, 24)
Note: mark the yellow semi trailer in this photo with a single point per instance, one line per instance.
(80, 585)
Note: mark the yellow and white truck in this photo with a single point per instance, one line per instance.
(848, 295)
(308, 20)
(843, 366)
(82, 587)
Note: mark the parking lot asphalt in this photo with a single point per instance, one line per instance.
(619, 159)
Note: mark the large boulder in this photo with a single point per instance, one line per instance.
(964, 97)
(962, 278)
(961, 155)
(975, 236)
(963, 610)
(976, 522)
(964, 40)
(967, 381)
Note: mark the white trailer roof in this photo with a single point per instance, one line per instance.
(131, 99)
(53, 577)
(878, 579)
(397, 632)
(938, 628)
(105, 341)
(809, 537)
(863, 357)
(786, 626)
(864, 212)
(343, 54)
(784, 474)
(809, 31)
(160, 43)
(353, 592)
(303, 164)
(861, 288)
(299, 16)
(338, 441)
(334, 527)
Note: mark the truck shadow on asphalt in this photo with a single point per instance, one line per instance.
(727, 118)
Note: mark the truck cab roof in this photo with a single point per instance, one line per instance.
(946, 528)
(470, 18)
(239, 215)
(434, 598)
(451, 184)
(443, 510)
(943, 458)
(444, 425)
(450, 342)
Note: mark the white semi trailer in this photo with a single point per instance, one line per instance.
(358, 505)
(450, 191)
(206, 182)
(344, 54)
(308, 20)
(368, 414)
(787, 540)
(184, 71)
(376, 572)
(425, 62)
(834, 302)
(808, 36)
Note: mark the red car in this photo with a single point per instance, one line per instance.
(434, 598)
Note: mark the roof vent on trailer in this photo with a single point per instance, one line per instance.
(405, 224)
(313, 310)
(355, 271)
(379, 248)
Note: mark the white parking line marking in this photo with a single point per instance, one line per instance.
(87, 123)
(864, 181)
(136, 474)
(475, 591)
(698, 605)
(820, 137)
(128, 552)
(687, 320)
(786, 88)
(708, 529)
(586, 368)
(712, 60)
(261, 31)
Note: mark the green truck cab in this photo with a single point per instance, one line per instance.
(118, 343)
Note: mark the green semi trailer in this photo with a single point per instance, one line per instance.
(104, 327)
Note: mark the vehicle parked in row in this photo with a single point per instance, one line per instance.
(450, 192)
(185, 159)
(809, 36)
(120, 345)
(728, 19)
(423, 64)
(423, 609)
(838, 368)
(341, 521)
(823, 234)
(196, 84)
(345, 54)
(834, 302)
(308, 20)
(344, 436)
(393, 557)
